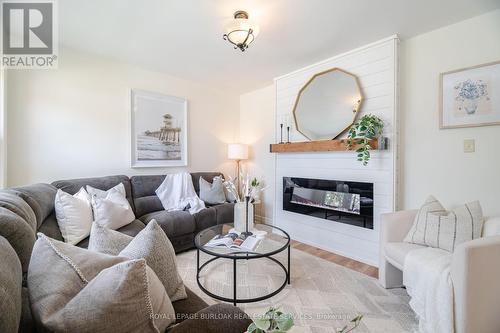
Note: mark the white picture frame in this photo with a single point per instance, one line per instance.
(158, 130)
(470, 97)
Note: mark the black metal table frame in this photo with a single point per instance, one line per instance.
(235, 300)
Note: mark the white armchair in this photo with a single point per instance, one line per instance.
(475, 271)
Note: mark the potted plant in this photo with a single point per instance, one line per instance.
(367, 128)
(272, 321)
(245, 199)
(275, 321)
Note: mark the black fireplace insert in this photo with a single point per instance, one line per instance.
(333, 200)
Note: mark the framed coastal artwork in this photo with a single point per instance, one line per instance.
(158, 130)
(470, 97)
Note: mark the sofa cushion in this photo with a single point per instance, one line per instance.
(10, 288)
(40, 197)
(205, 218)
(19, 233)
(143, 191)
(396, 252)
(72, 186)
(13, 202)
(50, 228)
(26, 324)
(73, 289)
(185, 308)
(130, 229)
(214, 319)
(224, 213)
(174, 223)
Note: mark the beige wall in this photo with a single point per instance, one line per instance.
(74, 121)
(257, 130)
(433, 159)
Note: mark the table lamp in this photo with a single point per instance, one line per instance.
(237, 152)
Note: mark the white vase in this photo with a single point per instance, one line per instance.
(240, 216)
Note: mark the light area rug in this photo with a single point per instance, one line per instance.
(322, 295)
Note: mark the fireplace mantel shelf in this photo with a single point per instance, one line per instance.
(323, 145)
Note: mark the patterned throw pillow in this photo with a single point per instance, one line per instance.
(75, 290)
(150, 243)
(434, 226)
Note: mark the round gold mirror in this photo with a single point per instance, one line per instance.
(327, 104)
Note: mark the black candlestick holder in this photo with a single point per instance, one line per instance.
(288, 134)
(281, 133)
(247, 232)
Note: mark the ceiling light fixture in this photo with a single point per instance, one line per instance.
(241, 32)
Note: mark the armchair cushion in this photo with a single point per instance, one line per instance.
(396, 252)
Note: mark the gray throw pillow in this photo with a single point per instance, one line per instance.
(434, 226)
(75, 290)
(151, 244)
(213, 193)
(108, 241)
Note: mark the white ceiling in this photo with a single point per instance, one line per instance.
(184, 37)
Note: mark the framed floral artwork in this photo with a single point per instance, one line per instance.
(470, 97)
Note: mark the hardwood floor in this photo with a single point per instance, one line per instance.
(335, 258)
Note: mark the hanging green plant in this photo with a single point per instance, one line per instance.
(367, 128)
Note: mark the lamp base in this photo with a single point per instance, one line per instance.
(246, 234)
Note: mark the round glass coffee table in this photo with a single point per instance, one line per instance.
(274, 241)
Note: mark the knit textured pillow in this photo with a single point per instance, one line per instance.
(434, 226)
(151, 244)
(75, 290)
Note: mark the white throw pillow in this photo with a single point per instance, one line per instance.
(74, 215)
(111, 208)
(436, 227)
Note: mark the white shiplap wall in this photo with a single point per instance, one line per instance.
(376, 67)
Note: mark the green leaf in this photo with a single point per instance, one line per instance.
(285, 322)
(262, 323)
(252, 328)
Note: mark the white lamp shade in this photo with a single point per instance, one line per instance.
(237, 151)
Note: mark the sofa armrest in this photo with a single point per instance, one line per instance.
(218, 318)
(475, 272)
(395, 226)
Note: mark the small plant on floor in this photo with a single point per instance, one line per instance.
(272, 321)
(354, 323)
(367, 128)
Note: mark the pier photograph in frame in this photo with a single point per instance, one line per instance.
(158, 130)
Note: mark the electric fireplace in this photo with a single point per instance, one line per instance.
(332, 200)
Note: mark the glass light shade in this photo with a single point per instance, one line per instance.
(237, 151)
(237, 31)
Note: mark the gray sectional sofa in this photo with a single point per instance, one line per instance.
(24, 211)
